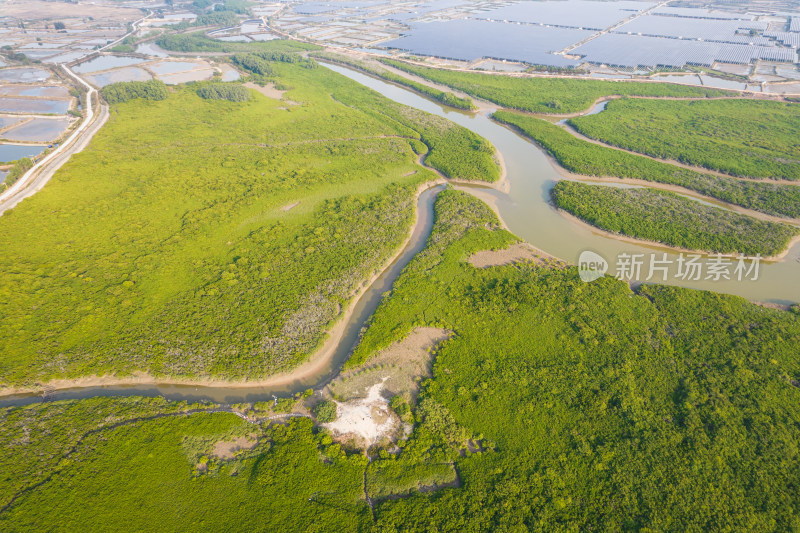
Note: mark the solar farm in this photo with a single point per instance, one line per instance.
(623, 36)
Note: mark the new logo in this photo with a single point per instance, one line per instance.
(591, 266)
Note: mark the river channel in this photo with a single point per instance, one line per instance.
(527, 212)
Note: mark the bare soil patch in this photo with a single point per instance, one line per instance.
(270, 91)
(398, 368)
(226, 449)
(516, 253)
(367, 420)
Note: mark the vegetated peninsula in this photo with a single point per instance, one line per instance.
(162, 248)
(671, 219)
(547, 95)
(741, 137)
(582, 157)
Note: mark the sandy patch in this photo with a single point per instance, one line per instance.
(225, 449)
(367, 419)
(270, 91)
(398, 367)
(289, 206)
(516, 253)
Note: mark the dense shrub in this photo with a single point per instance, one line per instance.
(224, 91)
(129, 90)
(671, 219)
(325, 411)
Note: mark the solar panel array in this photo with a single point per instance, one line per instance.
(623, 50)
(583, 14)
(535, 31)
(467, 40)
(690, 12)
(788, 38)
(690, 28)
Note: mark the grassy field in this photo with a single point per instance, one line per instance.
(599, 408)
(590, 159)
(556, 405)
(747, 138)
(671, 219)
(166, 473)
(446, 98)
(547, 95)
(165, 247)
(199, 42)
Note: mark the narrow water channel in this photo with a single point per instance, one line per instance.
(525, 209)
(364, 309)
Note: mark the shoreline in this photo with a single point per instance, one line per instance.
(655, 244)
(315, 362)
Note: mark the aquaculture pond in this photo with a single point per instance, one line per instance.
(33, 106)
(171, 67)
(38, 130)
(107, 62)
(52, 91)
(12, 152)
(23, 75)
(185, 77)
(114, 76)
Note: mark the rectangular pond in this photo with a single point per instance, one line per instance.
(23, 74)
(185, 77)
(172, 67)
(12, 152)
(34, 90)
(33, 106)
(38, 130)
(114, 76)
(106, 63)
(6, 122)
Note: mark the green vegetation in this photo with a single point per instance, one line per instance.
(124, 91)
(446, 98)
(395, 478)
(749, 138)
(240, 7)
(164, 246)
(556, 405)
(253, 63)
(325, 411)
(671, 219)
(20, 167)
(582, 157)
(126, 46)
(111, 464)
(546, 95)
(214, 18)
(223, 91)
(199, 42)
(598, 407)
